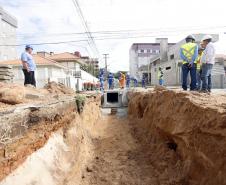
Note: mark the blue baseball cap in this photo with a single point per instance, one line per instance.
(28, 46)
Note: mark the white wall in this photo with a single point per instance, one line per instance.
(71, 65)
(42, 74)
(7, 37)
(86, 77)
(133, 63)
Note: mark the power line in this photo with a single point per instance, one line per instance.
(173, 29)
(116, 32)
(88, 33)
(96, 38)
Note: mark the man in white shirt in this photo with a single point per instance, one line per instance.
(207, 61)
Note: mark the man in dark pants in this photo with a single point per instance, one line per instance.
(29, 66)
(189, 53)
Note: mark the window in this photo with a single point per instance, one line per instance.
(172, 57)
(157, 51)
(168, 68)
(140, 51)
(148, 51)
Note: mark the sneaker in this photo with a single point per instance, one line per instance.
(204, 91)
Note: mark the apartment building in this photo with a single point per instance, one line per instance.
(141, 54)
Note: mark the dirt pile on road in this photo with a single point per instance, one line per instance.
(186, 134)
(58, 88)
(11, 93)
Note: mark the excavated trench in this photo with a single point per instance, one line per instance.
(167, 138)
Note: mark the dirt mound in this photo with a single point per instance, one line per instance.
(58, 88)
(11, 94)
(191, 126)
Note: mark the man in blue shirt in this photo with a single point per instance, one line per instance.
(127, 80)
(144, 81)
(110, 81)
(101, 78)
(29, 66)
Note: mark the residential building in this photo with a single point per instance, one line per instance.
(75, 64)
(67, 59)
(172, 66)
(140, 55)
(8, 26)
(52, 70)
(92, 64)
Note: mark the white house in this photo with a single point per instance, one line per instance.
(74, 64)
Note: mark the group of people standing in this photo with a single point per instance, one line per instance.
(122, 80)
(199, 61)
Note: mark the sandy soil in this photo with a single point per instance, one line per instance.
(118, 157)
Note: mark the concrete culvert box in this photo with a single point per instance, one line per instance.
(113, 99)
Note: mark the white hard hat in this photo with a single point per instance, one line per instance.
(207, 37)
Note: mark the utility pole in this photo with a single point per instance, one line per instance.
(106, 64)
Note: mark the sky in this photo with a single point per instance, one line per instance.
(41, 21)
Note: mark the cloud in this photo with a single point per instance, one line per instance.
(42, 20)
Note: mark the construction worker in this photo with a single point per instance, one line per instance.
(135, 82)
(122, 79)
(144, 81)
(207, 61)
(189, 53)
(110, 81)
(198, 68)
(101, 78)
(127, 80)
(160, 76)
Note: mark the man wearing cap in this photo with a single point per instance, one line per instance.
(207, 61)
(189, 53)
(29, 66)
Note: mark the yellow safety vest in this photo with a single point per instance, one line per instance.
(198, 61)
(188, 50)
